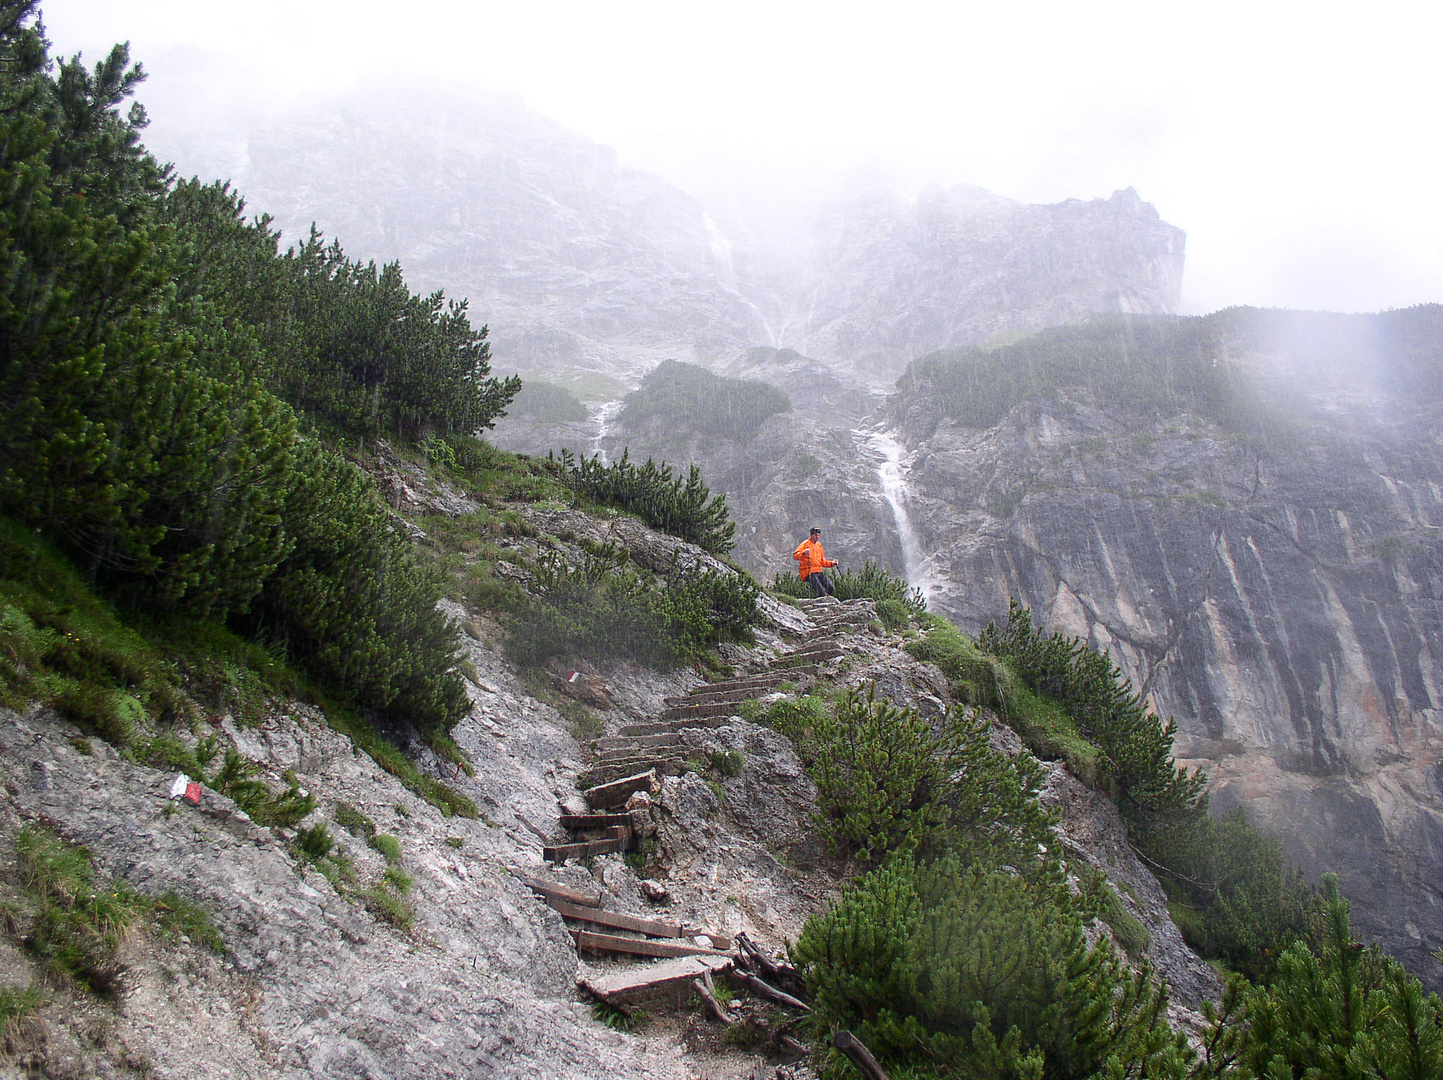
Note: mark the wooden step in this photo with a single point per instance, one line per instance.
(618, 754)
(612, 742)
(555, 890)
(609, 796)
(618, 840)
(669, 980)
(616, 920)
(658, 726)
(811, 655)
(704, 710)
(586, 939)
(724, 695)
(763, 680)
(575, 822)
(602, 775)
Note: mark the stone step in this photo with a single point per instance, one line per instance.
(669, 980)
(601, 775)
(609, 796)
(613, 742)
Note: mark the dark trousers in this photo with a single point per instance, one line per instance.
(821, 583)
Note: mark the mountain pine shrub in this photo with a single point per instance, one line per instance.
(601, 608)
(948, 969)
(980, 679)
(1234, 896)
(889, 780)
(1341, 1010)
(1135, 747)
(683, 508)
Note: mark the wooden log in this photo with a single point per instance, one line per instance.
(771, 993)
(781, 974)
(754, 956)
(667, 980)
(585, 939)
(713, 1006)
(550, 889)
(617, 920)
(594, 821)
(793, 1046)
(609, 796)
(859, 1055)
(619, 840)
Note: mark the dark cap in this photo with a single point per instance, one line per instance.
(815, 531)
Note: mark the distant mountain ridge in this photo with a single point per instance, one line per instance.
(579, 264)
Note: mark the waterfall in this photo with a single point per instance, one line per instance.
(917, 566)
(721, 251)
(605, 413)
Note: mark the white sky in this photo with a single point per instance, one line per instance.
(1296, 143)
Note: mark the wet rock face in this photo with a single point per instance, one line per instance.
(893, 280)
(1284, 603)
(576, 262)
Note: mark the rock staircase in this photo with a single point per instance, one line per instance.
(637, 756)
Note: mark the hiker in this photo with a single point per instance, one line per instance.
(811, 561)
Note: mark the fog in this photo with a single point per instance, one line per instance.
(1293, 143)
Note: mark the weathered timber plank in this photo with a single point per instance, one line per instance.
(673, 725)
(618, 840)
(608, 796)
(585, 939)
(615, 742)
(562, 852)
(595, 821)
(648, 982)
(561, 892)
(619, 920)
(599, 775)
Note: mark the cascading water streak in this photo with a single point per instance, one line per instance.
(916, 564)
(606, 412)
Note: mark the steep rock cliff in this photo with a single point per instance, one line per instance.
(1274, 583)
(893, 280)
(574, 261)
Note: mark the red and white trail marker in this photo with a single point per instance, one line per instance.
(183, 787)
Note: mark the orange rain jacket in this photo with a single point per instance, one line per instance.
(810, 557)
